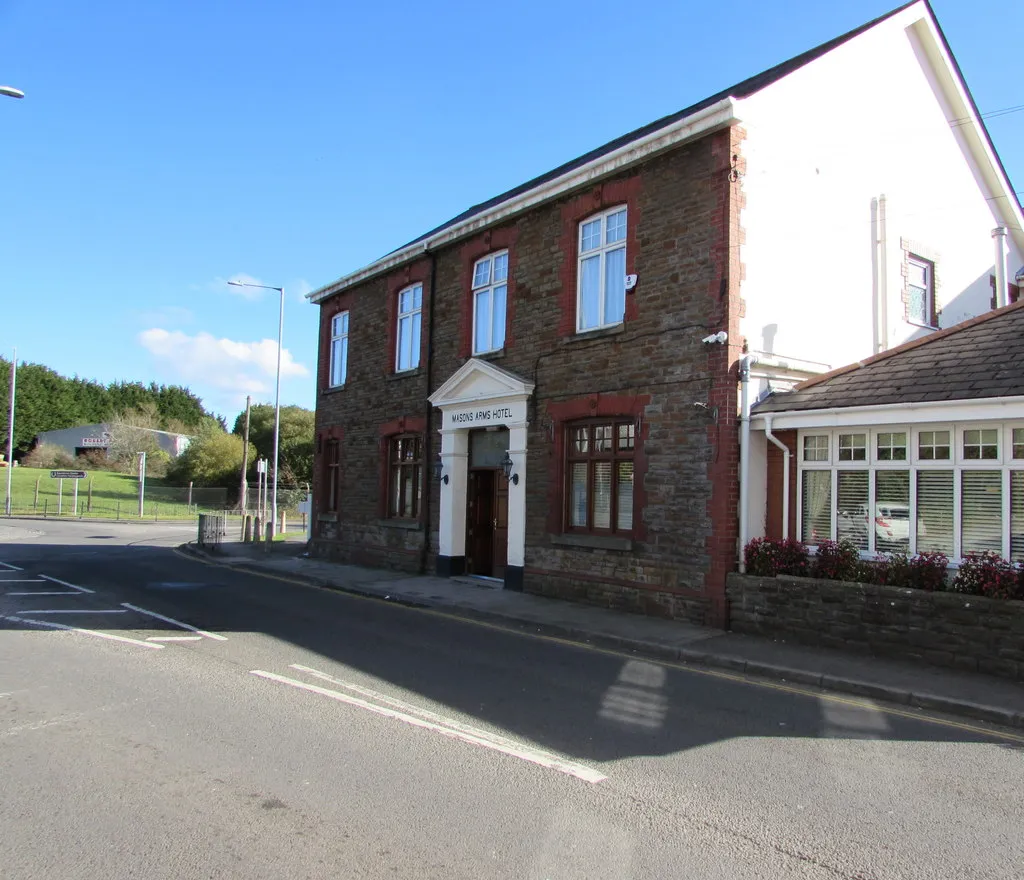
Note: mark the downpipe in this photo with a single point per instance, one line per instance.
(785, 474)
(745, 363)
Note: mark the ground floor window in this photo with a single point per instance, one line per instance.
(405, 476)
(599, 476)
(332, 476)
(952, 489)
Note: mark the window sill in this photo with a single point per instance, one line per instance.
(411, 525)
(334, 389)
(595, 542)
(914, 323)
(491, 355)
(405, 374)
(599, 333)
(327, 517)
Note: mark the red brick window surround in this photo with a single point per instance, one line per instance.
(490, 295)
(578, 243)
(405, 476)
(601, 270)
(332, 476)
(475, 252)
(599, 475)
(406, 317)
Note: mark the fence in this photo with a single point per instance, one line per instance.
(106, 495)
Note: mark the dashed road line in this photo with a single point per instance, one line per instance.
(174, 638)
(73, 611)
(66, 584)
(10, 567)
(78, 629)
(449, 727)
(201, 632)
(44, 593)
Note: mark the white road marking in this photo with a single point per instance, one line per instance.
(78, 629)
(44, 593)
(73, 611)
(201, 632)
(66, 584)
(446, 727)
(174, 638)
(10, 567)
(22, 581)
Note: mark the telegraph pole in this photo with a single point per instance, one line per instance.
(243, 498)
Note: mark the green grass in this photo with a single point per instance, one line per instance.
(113, 495)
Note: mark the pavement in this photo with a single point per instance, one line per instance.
(909, 684)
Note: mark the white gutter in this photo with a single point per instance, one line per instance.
(745, 363)
(711, 118)
(999, 235)
(785, 475)
(918, 412)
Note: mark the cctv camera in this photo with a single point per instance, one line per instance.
(721, 336)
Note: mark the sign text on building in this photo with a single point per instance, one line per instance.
(482, 415)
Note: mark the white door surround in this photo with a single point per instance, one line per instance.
(480, 395)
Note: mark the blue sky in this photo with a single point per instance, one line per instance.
(164, 147)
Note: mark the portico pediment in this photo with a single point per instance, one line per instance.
(477, 381)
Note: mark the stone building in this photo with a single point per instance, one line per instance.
(543, 392)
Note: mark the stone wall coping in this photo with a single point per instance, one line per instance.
(1015, 606)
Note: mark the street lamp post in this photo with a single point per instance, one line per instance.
(11, 92)
(277, 396)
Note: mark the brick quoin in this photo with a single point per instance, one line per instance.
(723, 361)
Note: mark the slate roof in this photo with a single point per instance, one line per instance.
(740, 90)
(982, 357)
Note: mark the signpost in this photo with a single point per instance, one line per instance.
(60, 477)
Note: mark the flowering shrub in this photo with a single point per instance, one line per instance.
(873, 571)
(837, 561)
(766, 557)
(988, 574)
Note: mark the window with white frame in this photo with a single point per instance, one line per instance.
(339, 349)
(935, 488)
(490, 291)
(407, 335)
(920, 290)
(601, 286)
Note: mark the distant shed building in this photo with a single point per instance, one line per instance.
(84, 438)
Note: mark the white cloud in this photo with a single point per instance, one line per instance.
(238, 367)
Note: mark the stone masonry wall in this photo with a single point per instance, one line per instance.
(943, 629)
(653, 368)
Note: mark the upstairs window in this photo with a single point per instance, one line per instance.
(490, 289)
(601, 293)
(410, 307)
(981, 445)
(405, 476)
(339, 349)
(920, 291)
(599, 473)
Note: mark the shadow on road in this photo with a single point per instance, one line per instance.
(587, 704)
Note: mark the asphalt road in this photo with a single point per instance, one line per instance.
(164, 718)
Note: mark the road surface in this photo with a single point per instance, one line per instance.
(165, 718)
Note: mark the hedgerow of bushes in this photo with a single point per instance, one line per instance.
(979, 574)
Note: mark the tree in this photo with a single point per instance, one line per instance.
(213, 458)
(298, 426)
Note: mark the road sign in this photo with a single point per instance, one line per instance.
(68, 475)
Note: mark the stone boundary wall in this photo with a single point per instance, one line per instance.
(971, 633)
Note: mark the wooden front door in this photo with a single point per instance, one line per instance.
(487, 523)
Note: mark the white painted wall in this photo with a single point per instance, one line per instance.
(869, 118)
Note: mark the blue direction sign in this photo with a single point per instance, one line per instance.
(68, 475)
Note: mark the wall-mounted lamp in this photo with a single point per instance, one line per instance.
(710, 411)
(439, 469)
(506, 465)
